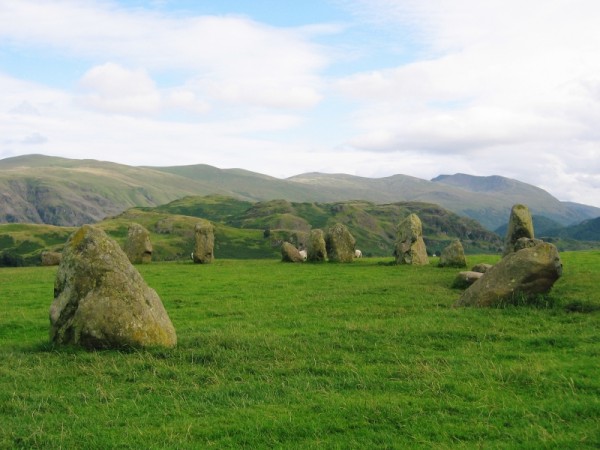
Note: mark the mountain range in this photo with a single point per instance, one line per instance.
(69, 192)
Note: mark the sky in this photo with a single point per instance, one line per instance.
(364, 87)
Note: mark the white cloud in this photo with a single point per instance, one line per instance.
(112, 88)
(495, 67)
(229, 57)
(504, 86)
(186, 100)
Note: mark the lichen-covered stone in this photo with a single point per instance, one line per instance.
(50, 258)
(453, 255)
(204, 234)
(289, 253)
(138, 247)
(102, 301)
(316, 248)
(520, 225)
(410, 247)
(340, 244)
(525, 273)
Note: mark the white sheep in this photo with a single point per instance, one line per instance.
(303, 254)
(357, 253)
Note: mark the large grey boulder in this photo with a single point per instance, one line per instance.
(101, 300)
(204, 243)
(520, 225)
(340, 244)
(410, 246)
(453, 255)
(289, 253)
(138, 247)
(316, 248)
(525, 273)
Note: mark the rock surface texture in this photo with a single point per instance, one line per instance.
(138, 247)
(410, 247)
(204, 243)
(527, 273)
(101, 300)
(340, 244)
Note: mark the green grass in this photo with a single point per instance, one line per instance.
(274, 355)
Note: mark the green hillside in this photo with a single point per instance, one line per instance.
(588, 230)
(22, 244)
(256, 230)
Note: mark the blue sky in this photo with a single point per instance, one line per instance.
(365, 87)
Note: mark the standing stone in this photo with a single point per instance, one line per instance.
(289, 253)
(339, 244)
(102, 301)
(204, 243)
(410, 247)
(527, 273)
(520, 225)
(316, 249)
(453, 256)
(138, 247)
(50, 258)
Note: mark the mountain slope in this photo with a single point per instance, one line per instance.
(588, 230)
(60, 191)
(509, 192)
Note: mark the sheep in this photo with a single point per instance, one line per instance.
(304, 254)
(192, 256)
(357, 253)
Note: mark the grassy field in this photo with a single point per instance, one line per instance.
(273, 355)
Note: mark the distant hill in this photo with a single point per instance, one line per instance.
(60, 191)
(257, 229)
(508, 192)
(582, 236)
(374, 226)
(588, 230)
(542, 226)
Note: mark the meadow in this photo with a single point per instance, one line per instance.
(274, 355)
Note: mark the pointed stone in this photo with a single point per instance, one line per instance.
(410, 246)
(520, 225)
(102, 301)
